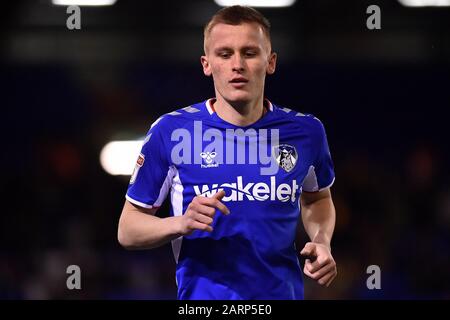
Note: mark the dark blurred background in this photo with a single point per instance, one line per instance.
(383, 96)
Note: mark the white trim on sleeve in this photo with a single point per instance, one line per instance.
(165, 187)
(310, 183)
(162, 192)
(328, 186)
(138, 203)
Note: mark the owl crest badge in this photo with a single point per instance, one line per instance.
(286, 156)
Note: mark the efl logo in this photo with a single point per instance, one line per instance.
(140, 160)
(139, 163)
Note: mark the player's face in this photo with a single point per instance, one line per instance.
(238, 58)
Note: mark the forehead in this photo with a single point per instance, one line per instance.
(237, 35)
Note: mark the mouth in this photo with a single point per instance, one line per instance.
(238, 82)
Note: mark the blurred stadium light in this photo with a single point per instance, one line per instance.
(425, 3)
(256, 3)
(84, 2)
(119, 157)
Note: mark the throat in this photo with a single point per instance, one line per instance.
(239, 114)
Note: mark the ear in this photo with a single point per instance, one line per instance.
(206, 67)
(272, 63)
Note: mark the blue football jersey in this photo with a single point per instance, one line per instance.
(263, 168)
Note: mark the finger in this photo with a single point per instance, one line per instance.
(203, 218)
(315, 266)
(201, 226)
(308, 264)
(219, 195)
(319, 263)
(213, 202)
(206, 210)
(306, 272)
(312, 266)
(325, 279)
(309, 249)
(223, 208)
(331, 280)
(329, 268)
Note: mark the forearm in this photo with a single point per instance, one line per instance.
(142, 231)
(319, 219)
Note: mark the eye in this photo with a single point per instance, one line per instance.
(250, 53)
(224, 55)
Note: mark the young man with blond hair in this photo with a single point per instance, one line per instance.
(242, 173)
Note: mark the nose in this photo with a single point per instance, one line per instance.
(237, 63)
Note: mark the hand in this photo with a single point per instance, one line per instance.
(200, 213)
(322, 266)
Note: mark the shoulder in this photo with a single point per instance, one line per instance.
(304, 120)
(180, 118)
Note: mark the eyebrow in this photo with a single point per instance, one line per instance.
(251, 48)
(225, 48)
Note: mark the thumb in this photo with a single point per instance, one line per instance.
(219, 195)
(309, 249)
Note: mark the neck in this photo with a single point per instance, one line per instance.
(241, 113)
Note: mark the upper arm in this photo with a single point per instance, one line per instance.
(308, 198)
(153, 173)
(320, 173)
(129, 207)
(130, 219)
(131, 213)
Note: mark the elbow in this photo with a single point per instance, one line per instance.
(124, 238)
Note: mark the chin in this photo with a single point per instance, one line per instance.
(239, 97)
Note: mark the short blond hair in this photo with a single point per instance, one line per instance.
(236, 15)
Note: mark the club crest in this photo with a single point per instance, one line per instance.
(286, 156)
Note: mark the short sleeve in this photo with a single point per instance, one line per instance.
(321, 172)
(152, 176)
